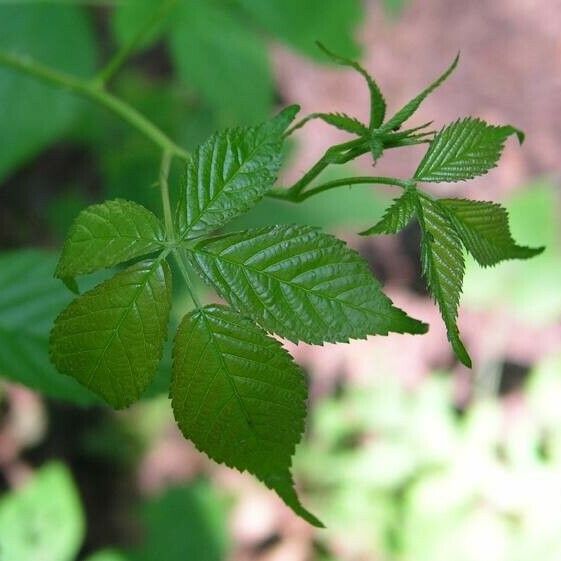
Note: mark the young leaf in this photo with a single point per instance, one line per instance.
(443, 266)
(230, 173)
(483, 229)
(407, 110)
(300, 284)
(343, 122)
(463, 150)
(107, 234)
(396, 217)
(237, 394)
(377, 101)
(111, 338)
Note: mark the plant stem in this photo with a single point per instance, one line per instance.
(288, 195)
(126, 50)
(164, 190)
(185, 273)
(94, 92)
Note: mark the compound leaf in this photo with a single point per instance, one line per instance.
(230, 173)
(483, 229)
(107, 234)
(111, 338)
(396, 217)
(443, 265)
(463, 150)
(408, 109)
(299, 283)
(377, 101)
(237, 394)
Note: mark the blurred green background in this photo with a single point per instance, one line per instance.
(408, 456)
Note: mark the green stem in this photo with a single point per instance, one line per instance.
(286, 194)
(126, 50)
(185, 273)
(164, 190)
(94, 92)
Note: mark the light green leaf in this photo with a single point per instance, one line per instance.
(377, 101)
(108, 555)
(397, 216)
(111, 338)
(443, 266)
(33, 114)
(30, 299)
(408, 109)
(483, 229)
(343, 122)
(230, 173)
(107, 234)
(43, 520)
(239, 397)
(463, 150)
(299, 283)
(227, 64)
(301, 24)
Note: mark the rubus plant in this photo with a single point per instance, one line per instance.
(235, 391)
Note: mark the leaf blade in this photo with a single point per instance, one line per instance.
(107, 234)
(88, 338)
(242, 384)
(396, 217)
(290, 279)
(463, 150)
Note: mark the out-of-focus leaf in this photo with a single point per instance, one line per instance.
(131, 16)
(108, 555)
(43, 520)
(33, 114)
(223, 61)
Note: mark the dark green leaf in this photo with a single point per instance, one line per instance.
(30, 299)
(43, 520)
(230, 173)
(237, 394)
(302, 23)
(443, 266)
(300, 284)
(407, 110)
(397, 216)
(377, 101)
(343, 122)
(483, 229)
(33, 114)
(111, 338)
(107, 234)
(227, 64)
(463, 150)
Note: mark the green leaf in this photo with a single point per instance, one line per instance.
(237, 394)
(43, 519)
(111, 338)
(377, 101)
(107, 234)
(407, 110)
(30, 299)
(227, 64)
(443, 266)
(108, 555)
(483, 229)
(397, 216)
(34, 115)
(463, 150)
(299, 283)
(230, 173)
(301, 24)
(343, 122)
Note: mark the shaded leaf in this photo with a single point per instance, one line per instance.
(230, 173)
(111, 338)
(237, 394)
(107, 234)
(397, 216)
(483, 229)
(463, 150)
(443, 266)
(299, 283)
